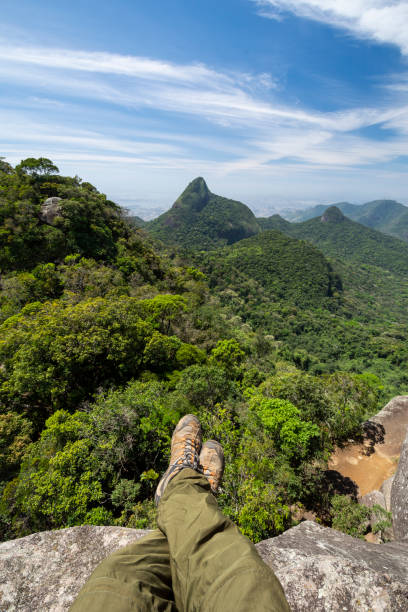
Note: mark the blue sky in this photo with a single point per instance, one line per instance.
(278, 103)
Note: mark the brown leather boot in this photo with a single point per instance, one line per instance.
(185, 447)
(212, 463)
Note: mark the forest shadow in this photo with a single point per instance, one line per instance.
(327, 483)
(338, 484)
(374, 433)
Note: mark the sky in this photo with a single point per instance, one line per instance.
(277, 103)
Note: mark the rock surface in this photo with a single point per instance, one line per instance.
(394, 419)
(399, 495)
(320, 569)
(44, 571)
(373, 498)
(376, 498)
(326, 571)
(50, 209)
(385, 489)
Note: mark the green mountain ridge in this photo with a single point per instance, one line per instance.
(338, 236)
(387, 216)
(275, 222)
(200, 219)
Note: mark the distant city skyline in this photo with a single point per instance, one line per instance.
(276, 103)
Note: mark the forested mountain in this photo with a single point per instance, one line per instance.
(106, 339)
(285, 268)
(349, 210)
(200, 219)
(386, 216)
(331, 316)
(338, 236)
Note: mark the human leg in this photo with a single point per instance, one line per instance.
(134, 578)
(138, 577)
(214, 567)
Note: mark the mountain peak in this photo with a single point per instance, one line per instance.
(195, 196)
(197, 183)
(332, 215)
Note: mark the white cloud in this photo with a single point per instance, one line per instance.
(384, 21)
(252, 131)
(227, 99)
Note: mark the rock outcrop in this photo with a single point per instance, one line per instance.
(324, 570)
(50, 209)
(372, 499)
(385, 489)
(320, 569)
(386, 533)
(394, 419)
(44, 571)
(399, 495)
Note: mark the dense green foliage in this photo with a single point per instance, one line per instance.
(135, 220)
(356, 519)
(360, 328)
(275, 222)
(200, 219)
(88, 223)
(349, 516)
(106, 340)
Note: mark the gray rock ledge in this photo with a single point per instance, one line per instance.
(399, 495)
(320, 569)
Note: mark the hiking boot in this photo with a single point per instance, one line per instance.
(212, 463)
(185, 447)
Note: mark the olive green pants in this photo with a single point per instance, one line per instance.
(197, 560)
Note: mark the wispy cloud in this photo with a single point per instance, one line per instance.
(384, 21)
(228, 99)
(251, 129)
(131, 66)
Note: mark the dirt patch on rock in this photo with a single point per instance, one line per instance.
(367, 471)
(374, 460)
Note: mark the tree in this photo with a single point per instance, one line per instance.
(37, 167)
(205, 386)
(349, 516)
(296, 438)
(228, 354)
(262, 513)
(5, 167)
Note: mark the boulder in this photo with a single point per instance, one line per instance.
(385, 489)
(394, 419)
(50, 209)
(320, 569)
(46, 570)
(324, 570)
(399, 495)
(372, 499)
